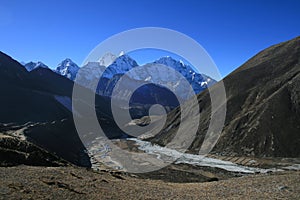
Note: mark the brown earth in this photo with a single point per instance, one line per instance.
(24, 182)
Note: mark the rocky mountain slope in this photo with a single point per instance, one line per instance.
(30, 97)
(16, 150)
(263, 107)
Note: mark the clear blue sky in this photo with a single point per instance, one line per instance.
(230, 30)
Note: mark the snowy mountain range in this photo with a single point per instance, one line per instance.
(113, 67)
(66, 68)
(154, 73)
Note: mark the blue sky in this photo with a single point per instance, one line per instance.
(231, 31)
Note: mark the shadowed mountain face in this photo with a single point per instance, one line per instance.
(263, 106)
(31, 97)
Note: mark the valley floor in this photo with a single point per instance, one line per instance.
(26, 182)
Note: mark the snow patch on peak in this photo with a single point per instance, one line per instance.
(121, 53)
(107, 59)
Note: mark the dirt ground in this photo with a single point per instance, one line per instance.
(26, 182)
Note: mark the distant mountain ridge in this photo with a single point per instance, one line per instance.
(66, 68)
(124, 63)
(110, 65)
(34, 65)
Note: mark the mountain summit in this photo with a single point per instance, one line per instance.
(67, 68)
(120, 65)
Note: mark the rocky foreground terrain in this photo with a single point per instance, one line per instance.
(25, 182)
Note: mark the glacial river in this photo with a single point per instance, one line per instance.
(101, 153)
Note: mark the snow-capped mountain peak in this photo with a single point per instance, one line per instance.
(67, 68)
(121, 53)
(67, 62)
(33, 65)
(121, 65)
